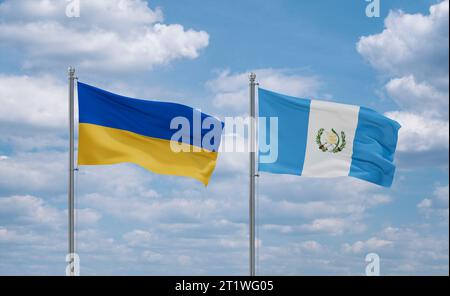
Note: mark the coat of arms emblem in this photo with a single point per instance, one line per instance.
(330, 141)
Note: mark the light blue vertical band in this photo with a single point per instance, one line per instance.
(293, 119)
(374, 147)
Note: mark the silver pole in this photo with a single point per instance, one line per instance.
(71, 170)
(252, 78)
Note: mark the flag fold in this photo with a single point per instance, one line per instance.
(327, 139)
(166, 138)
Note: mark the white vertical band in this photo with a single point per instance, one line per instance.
(327, 116)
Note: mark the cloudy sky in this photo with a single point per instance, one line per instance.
(131, 221)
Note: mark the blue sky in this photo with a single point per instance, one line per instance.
(131, 221)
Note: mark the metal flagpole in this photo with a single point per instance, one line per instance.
(71, 171)
(252, 78)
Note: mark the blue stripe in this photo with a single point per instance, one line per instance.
(293, 119)
(374, 147)
(148, 118)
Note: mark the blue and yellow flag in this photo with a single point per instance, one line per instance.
(166, 138)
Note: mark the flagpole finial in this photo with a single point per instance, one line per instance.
(71, 71)
(252, 77)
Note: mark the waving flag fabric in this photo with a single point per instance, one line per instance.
(115, 129)
(325, 139)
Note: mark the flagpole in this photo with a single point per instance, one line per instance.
(252, 78)
(71, 212)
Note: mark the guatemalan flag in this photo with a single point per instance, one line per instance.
(326, 139)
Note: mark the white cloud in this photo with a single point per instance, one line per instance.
(419, 251)
(318, 198)
(12, 236)
(371, 245)
(285, 229)
(410, 43)
(437, 204)
(34, 172)
(150, 210)
(94, 243)
(316, 206)
(35, 212)
(312, 246)
(419, 97)
(30, 210)
(128, 12)
(151, 256)
(33, 117)
(425, 204)
(441, 196)
(333, 226)
(404, 250)
(231, 89)
(419, 133)
(33, 101)
(87, 216)
(138, 237)
(378, 199)
(234, 243)
(117, 181)
(111, 35)
(412, 52)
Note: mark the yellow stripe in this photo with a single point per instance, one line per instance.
(99, 145)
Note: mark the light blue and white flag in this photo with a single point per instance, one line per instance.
(326, 139)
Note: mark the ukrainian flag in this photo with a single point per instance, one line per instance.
(116, 129)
